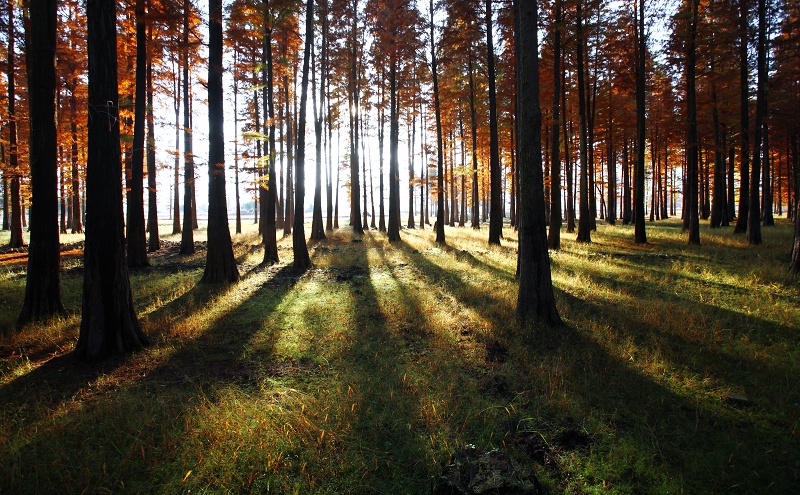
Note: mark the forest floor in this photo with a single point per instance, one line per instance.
(676, 371)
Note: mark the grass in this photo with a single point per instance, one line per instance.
(676, 371)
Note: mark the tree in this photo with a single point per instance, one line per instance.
(353, 95)
(754, 215)
(299, 247)
(584, 221)
(535, 299)
(496, 201)
(439, 145)
(638, 173)
(187, 234)
(137, 242)
(16, 239)
(220, 262)
(153, 243)
(108, 320)
(692, 143)
(554, 238)
(744, 121)
(43, 282)
(269, 234)
(317, 229)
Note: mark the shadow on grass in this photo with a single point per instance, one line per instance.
(670, 432)
(123, 425)
(385, 439)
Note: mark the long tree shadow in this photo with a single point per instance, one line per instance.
(118, 416)
(672, 430)
(384, 418)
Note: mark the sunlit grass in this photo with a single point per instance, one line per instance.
(676, 370)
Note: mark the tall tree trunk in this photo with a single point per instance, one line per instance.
(6, 224)
(719, 216)
(794, 264)
(496, 200)
(568, 162)
(288, 217)
(731, 196)
(279, 211)
(236, 144)
(76, 220)
(554, 238)
(766, 179)
(220, 263)
(176, 105)
(153, 242)
(744, 120)
(394, 166)
(108, 319)
(476, 219)
(411, 136)
(269, 233)
(754, 215)
(692, 143)
(329, 222)
(13, 159)
(611, 214)
(584, 223)
(439, 145)
(362, 119)
(187, 236)
(317, 229)
(424, 177)
(299, 247)
(62, 193)
(43, 280)
(535, 298)
(654, 170)
(355, 184)
(381, 134)
(640, 236)
(135, 228)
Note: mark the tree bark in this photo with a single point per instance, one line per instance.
(299, 247)
(754, 215)
(744, 120)
(317, 228)
(220, 262)
(766, 177)
(153, 242)
(394, 167)
(187, 236)
(439, 154)
(355, 183)
(76, 221)
(496, 200)
(288, 216)
(43, 282)
(584, 222)
(640, 235)
(692, 143)
(476, 200)
(535, 299)
(554, 238)
(108, 320)
(135, 228)
(176, 106)
(269, 233)
(16, 239)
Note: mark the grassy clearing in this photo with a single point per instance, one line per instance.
(676, 372)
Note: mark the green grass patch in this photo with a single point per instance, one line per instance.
(676, 371)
